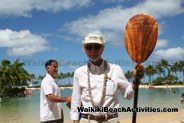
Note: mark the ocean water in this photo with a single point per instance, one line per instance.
(26, 110)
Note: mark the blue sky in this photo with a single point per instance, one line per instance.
(37, 30)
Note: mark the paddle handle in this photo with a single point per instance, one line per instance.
(136, 85)
(134, 116)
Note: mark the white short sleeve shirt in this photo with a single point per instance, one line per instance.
(49, 110)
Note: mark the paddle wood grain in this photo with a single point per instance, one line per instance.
(140, 37)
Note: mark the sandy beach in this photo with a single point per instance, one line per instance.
(140, 86)
(162, 86)
(169, 117)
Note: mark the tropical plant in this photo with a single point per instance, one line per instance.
(21, 76)
(175, 68)
(158, 81)
(5, 74)
(166, 66)
(40, 77)
(159, 70)
(150, 71)
(181, 68)
(12, 75)
(129, 75)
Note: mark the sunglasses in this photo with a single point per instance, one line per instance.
(95, 47)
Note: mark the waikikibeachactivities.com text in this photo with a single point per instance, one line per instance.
(128, 109)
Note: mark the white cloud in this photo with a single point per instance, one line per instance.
(113, 20)
(22, 43)
(170, 54)
(161, 8)
(161, 43)
(24, 7)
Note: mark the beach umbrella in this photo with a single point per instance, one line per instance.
(140, 39)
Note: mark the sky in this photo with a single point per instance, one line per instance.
(35, 31)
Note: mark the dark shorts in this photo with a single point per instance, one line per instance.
(54, 121)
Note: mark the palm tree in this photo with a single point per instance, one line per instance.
(175, 68)
(12, 75)
(181, 68)
(129, 75)
(71, 76)
(40, 77)
(159, 69)
(21, 76)
(150, 71)
(68, 75)
(5, 74)
(33, 77)
(165, 64)
(62, 77)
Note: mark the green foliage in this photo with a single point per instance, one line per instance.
(129, 75)
(166, 71)
(165, 80)
(12, 75)
(13, 91)
(158, 81)
(171, 78)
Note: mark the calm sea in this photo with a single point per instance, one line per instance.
(26, 110)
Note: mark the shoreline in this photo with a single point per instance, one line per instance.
(140, 86)
(161, 86)
(168, 117)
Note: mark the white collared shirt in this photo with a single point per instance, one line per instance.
(49, 110)
(116, 81)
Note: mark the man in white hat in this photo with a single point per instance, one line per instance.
(96, 84)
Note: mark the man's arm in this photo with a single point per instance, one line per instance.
(54, 98)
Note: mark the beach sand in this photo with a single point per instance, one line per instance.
(162, 86)
(140, 86)
(169, 117)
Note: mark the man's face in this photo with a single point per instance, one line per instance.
(93, 51)
(52, 69)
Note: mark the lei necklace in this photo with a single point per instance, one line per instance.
(99, 104)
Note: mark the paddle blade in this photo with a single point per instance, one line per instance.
(140, 37)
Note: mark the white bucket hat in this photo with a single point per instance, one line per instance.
(93, 38)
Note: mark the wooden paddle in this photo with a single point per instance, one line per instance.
(140, 38)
